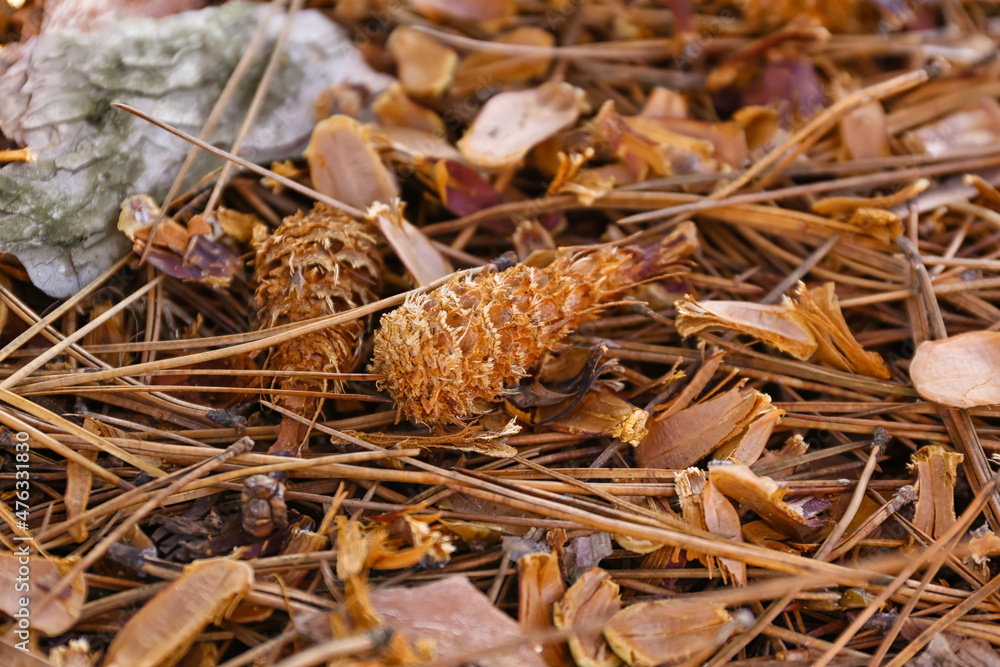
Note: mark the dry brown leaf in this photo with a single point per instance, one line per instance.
(691, 434)
(168, 624)
(600, 412)
(836, 344)
(811, 325)
(184, 253)
(592, 598)
(983, 544)
(394, 108)
(780, 326)
(28, 578)
(937, 472)
(864, 132)
(488, 11)
(761, 494)
(689, 484)
(747, 447)
(540, 585)
(78, 483)
(424, 66)
(344, 164)
(458, 618)
(962, 371)
(722, 519)
(976, 125)
(414, 249)
(481, 69)
(415, 146)
(761, 534)
(512, 123)
(669, 632)
(793, 448)
(644, 145)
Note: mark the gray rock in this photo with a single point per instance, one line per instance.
(58, 214)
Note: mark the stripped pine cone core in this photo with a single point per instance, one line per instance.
(449, 353)
(315, 264)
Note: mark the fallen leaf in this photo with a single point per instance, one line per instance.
(937, 472)
(962, 371)
(166, 626)
(29, 578)
(424, 66)
(691, 434)
(394, 108)
(592, 599)
(512, 123)
(978, 124)
(761, 494)
(540, 585)
(837, 346)
(669, 632)
(344, 164)
(458, 618)
(599, 412)
(414, 249)
(780, 326)
(722, 519)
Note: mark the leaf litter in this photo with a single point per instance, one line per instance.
(715, 281)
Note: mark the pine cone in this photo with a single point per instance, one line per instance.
(448, 354)
(316, 264)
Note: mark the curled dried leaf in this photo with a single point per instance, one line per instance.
(937, 472)
(747, 447)
(414, 146)
(188, 254)
(779, 326)
(644, 144)
(41, 574)
(669, 632)
(540, 585)
(836, 345)
(512, 123)
(593, 598)
(599, 412)
(394, 108)
(414, 249)
(168, 624)
(722, 519)
(424, 66)
(344, 164)
(689, 435)
(761, 494)
(962, 371)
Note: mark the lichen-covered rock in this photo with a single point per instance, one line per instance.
(58, 214)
